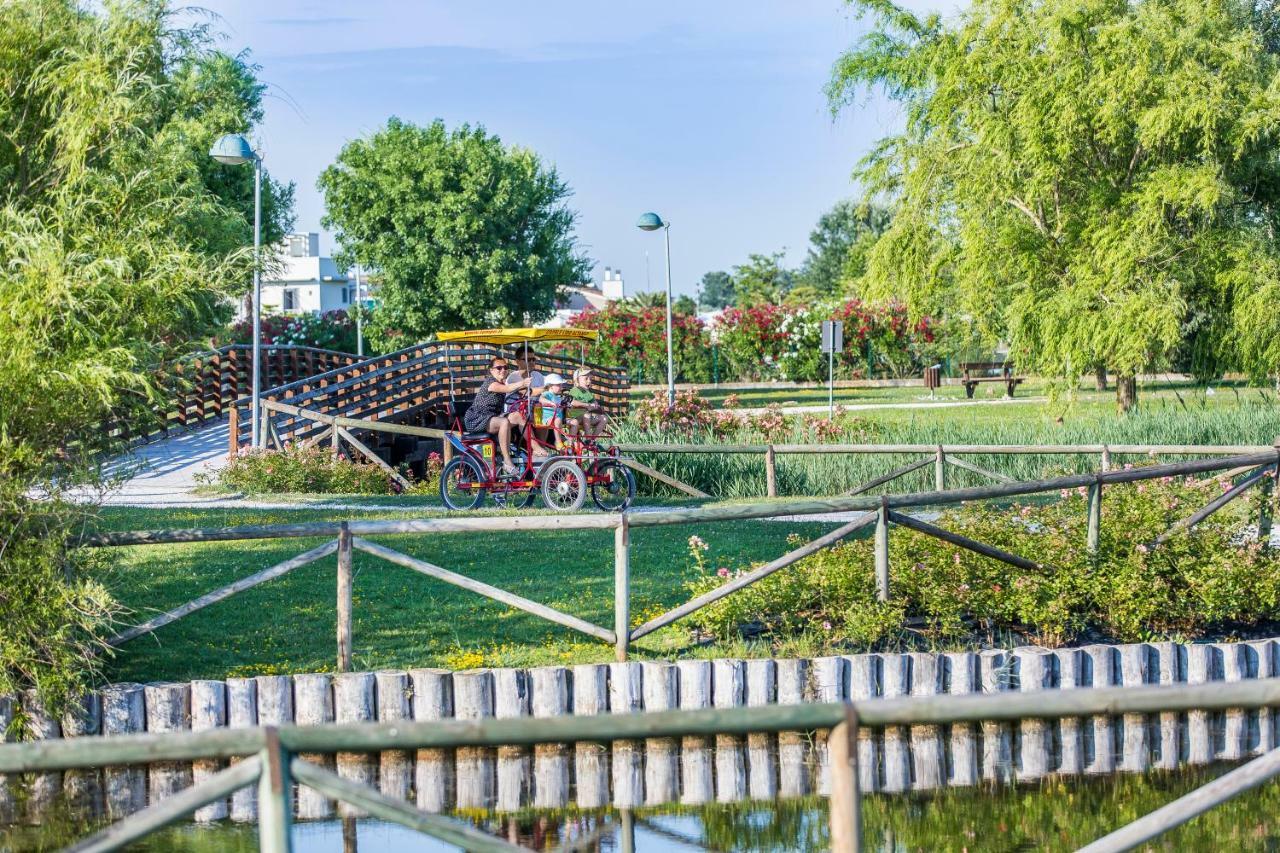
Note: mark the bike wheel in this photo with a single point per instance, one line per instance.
(462, 484)
(564, 486)
(615, 488)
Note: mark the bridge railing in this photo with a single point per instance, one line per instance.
(411, 385)
(206, 386)
(270, 757)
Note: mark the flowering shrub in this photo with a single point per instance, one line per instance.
(688, 415)
(636, 338)
(429, 484)
(303, 469)
(897, 346)
(335, 330)
(753, 340)
(1212, 579)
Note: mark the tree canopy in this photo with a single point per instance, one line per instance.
(839, 245)
(1093, 181)
(465, 231)
(761, 279)
(715, 290)
(119, 244)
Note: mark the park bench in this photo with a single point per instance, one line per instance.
(989, 371)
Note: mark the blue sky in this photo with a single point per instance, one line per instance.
(710, 113)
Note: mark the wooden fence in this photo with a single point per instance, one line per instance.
(206, 386)
(939, 456)
(883, 512)
(410, 384)
(272, 758)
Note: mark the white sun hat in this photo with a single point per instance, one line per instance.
(554, 379)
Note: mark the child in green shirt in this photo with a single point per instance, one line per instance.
(585, 414)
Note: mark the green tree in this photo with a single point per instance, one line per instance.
(761, 279)
(115, 251)
(715, 290)
(1080, 177)
(465, 231)
(839, 244)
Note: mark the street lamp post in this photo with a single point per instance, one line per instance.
(234, 150)
(652, 222)
(359, 316)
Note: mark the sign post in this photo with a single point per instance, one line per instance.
(832, 343)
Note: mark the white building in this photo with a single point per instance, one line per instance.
(304, 282)
(576, 298)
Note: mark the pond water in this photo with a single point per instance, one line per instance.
(758, 793)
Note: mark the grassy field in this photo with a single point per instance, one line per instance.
(1030, 396)
(400, 618)
(1168, 416)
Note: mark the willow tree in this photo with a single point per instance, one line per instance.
(119, 244)
(1092, 181)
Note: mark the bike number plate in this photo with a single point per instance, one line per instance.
(487, 451)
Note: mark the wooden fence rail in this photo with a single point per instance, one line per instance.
(940, 455)
(882, 511)
(273, 762)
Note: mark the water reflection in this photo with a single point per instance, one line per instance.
(931, 785)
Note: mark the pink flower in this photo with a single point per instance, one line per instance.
(1142, 549)
(722, 572)
(826, 626)
(1025, 511)
(955, 558)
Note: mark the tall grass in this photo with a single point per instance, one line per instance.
(728, 475)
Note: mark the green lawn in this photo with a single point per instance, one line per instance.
(1031, 394)
(401, 618)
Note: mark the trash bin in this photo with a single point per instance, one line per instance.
(933, 377)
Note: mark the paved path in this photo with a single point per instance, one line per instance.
(922, 404)
(163, 473)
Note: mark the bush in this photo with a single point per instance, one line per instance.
(303, 470)
(1214, 579)
(635, 338)
(335, 330)
(753, 340)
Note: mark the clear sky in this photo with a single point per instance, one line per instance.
(710, 113)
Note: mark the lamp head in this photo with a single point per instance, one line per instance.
(650, 222)
(232, 149)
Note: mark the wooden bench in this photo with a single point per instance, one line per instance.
(989, 371)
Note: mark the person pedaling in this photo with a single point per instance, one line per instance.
(546, 432)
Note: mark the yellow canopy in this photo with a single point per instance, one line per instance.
(497, 337)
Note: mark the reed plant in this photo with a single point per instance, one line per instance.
(1179, 420)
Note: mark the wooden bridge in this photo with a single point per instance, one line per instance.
(305, 389)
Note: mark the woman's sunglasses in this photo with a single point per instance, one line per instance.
(501, 367)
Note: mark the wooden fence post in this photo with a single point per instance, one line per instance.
(940, 470)
(622, 586)
(344, 599)
(233, 432)
(1106, 458)
(275, 797)
(846, 806)
(1095, 516)
(337, 440)
(770, 472)
(1268, 498)
(882, 550)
